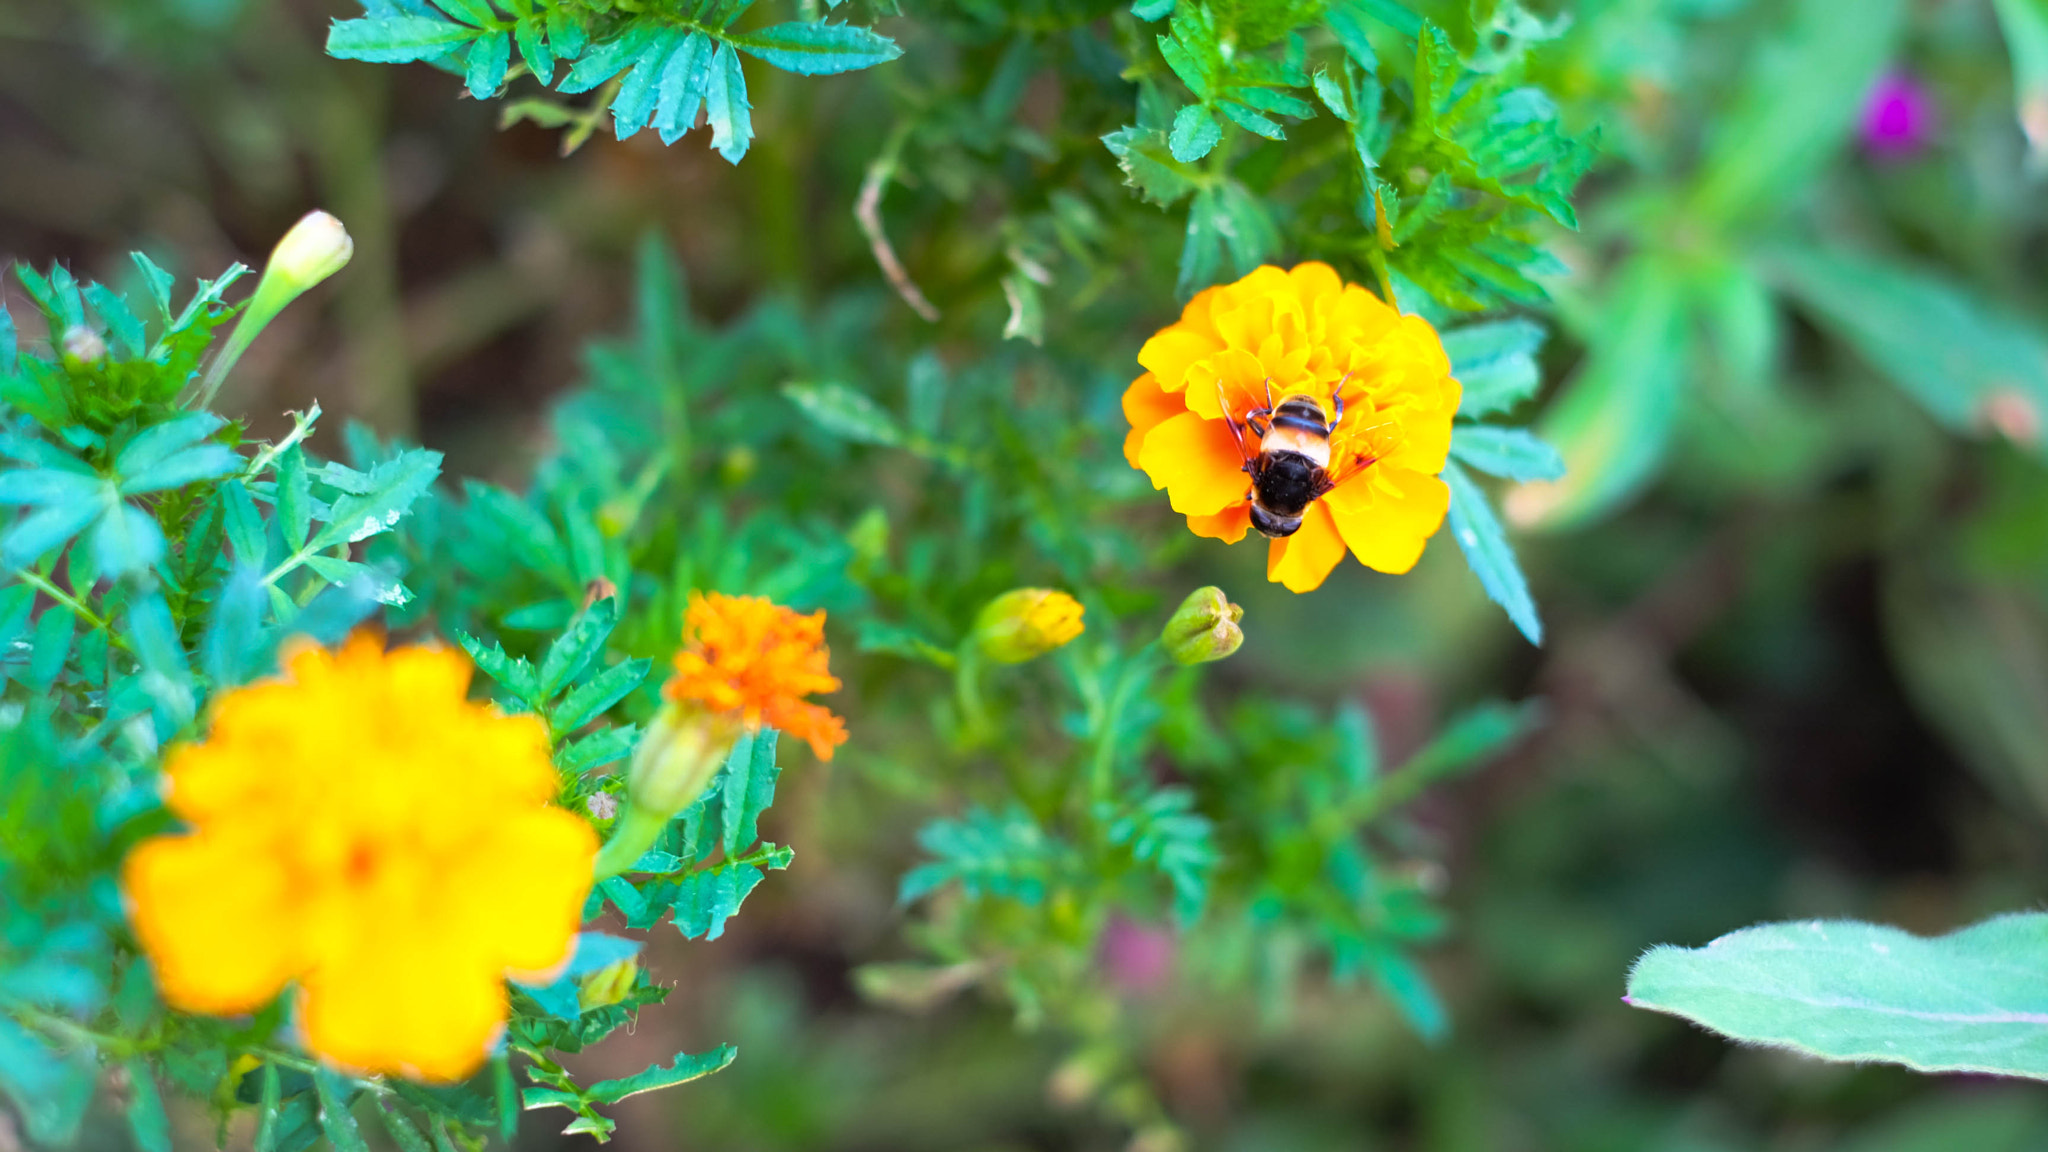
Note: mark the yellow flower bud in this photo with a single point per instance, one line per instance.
(608, 985)
(1204, 628)
(1026, 623)
(317, 247)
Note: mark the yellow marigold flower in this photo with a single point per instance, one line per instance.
(750, 656)
(360, 827)
(1307, 332)
(1026, 623)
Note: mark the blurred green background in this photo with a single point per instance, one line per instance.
(1798, 662)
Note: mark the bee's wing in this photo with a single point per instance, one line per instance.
(1354, 460)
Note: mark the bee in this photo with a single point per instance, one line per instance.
(1291, 468)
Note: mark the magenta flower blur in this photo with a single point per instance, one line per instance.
(1898, 117)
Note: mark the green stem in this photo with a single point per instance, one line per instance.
(35, 580)
(635, 833)
(1102, 771)
(975, 726)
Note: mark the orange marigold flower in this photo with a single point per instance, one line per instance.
(1308, 332)
(750, 656)
(360, 827)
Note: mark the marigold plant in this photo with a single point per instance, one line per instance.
(1241, 347)
(360, 827)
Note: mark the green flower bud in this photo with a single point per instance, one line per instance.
(1026, 623)
(1204, 628)
(672, 765)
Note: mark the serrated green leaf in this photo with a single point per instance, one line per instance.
(396, 39)
(1195, 134)
(122, 326)
(51, 643)
(1485, 545)
(245, 529)
(489, 57)
(726, 106)
(515, 675)
(597, 749)
(336, 1120)
(294, 498)
(1252, 120)
(684, 80)
(635, 101)
(1844, 990)
(816, 49)
(578, 648)
(683, 1069)
(746, 789)
(603, 61)
(590, 699)
(126, 540)
(987, 853)
(396, 484)
(43, 531)
(1146, 157)
(403, 1132)
(159, 443)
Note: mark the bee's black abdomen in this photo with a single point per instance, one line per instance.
(1287, 482)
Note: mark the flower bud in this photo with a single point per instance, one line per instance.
(1204, 628)
(84, 345)
(675, 760)
(608, 985)
(1026, 623)
(317, 247)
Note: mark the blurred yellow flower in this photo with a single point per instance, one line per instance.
(1026, 623)
(751, 657)
(360, 827)
(1305, 331)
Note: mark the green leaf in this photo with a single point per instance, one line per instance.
(1495, 364)
(157, 281)
(54, 631)
(684, 81)
(845, 413)
(159, 443)
(682, 1070)
(127, 540)
(1195, 134)
(705, 899)
(1943, 346)
(1514, 453)
(598, 748)
(396, 39)
(403, 1132)
(2025, 23)
(606, 60)
(126, 330)
(575, 650)
(1799, 102)
(489, 57)
(726, 107)
(193, 465)
(1151, 9)
(1970, 1001)
(746, 789)
(590, 700)
(147, 1121)
(50, 1091)
(10, 342)
(1167, 833)
(1613, 421)
(1492, 559)
(1149, 167)
(393, 486)
(987, 853)
(234, 632)
(39, 533)
(335, 1118)
(817, 49)
(635, 102)
(515, 675)
(245, 528)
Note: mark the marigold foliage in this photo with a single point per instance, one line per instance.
(1274, 334)
(359, 827)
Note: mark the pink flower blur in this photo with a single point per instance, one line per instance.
(1898, 117)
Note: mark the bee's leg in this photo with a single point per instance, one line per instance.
(1339, 399)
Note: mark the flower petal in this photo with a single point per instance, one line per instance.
(1229, 525)
(1170, 354)
(1314, 280)
(1147, 406)
(408, 1000)
(217, 916)
(1386, 515)
(1197, 461)
(1302, 561)
(518, 894)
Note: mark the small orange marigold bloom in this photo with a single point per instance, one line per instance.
(359, 826)
(751, 656)
(1308, 332)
